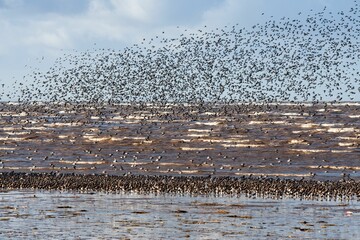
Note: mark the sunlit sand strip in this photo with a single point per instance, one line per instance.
(310, 130)
(58, 124)
(273, 174)
(301, 131)
(209, 113)
(346, 144)
(135, 117)
(132, 163)
(239, 145)
(40, 168)
(21, 168)
(320, 151)
(10, 128)
(66, 112)
(195, 149)
(257, 122)
(63, 136)
(35, 128)
(199, 130)
(12, 139)
(231, 140)
(340, 130)
(134, 122)
(310, 150)
(90, 137)
(134, 138)
(170, 164)
(117, 118)
(166, 112)
(100, 139)
(208, 123)
(335, 167)
(7, 148)
(142, 142)
(18, 133)
(189, 171)
(296, 141)
(180, 140)
(341, 151)
(82, 162)
(96, 139)
(172, 170)
(197, 135)
(309, 125)
(348, 138)
(331, 124)
(279, 122)
(6, 114)
(287, 113)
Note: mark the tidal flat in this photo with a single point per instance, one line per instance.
(296, 141)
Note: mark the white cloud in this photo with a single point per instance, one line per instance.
(140, 10)
(112, 20)
(47, 33)
(233, 11)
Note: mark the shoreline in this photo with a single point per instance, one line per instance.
(276, 188)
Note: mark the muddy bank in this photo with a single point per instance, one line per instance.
(225, 186)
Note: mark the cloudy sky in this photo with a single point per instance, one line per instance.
(35, 32)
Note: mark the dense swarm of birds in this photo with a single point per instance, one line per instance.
(311, 59)
(204, 186)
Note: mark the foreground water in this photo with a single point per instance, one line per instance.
(31, 214)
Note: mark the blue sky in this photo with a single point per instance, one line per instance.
(34, 33)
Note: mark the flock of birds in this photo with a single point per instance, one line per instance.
(311, 59)
(218, 72)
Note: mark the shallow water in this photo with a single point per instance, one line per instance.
(31, 214)
(318, 141)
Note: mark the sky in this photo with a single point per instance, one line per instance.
(35, 32)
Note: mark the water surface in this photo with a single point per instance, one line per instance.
(59, 215)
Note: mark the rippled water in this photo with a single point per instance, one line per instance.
(291, 140)
(54, 215)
